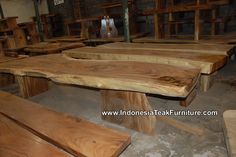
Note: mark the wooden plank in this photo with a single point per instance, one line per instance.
(230, 131)
(77, 136)
(116, 101)
(227, 40)
(163, 41)
(17, 141)
(190, 48)
(47, 48)
(128, 76)
(206, 62)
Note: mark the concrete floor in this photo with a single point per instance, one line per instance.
(168, 140)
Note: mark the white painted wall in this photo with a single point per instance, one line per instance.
(24, 9)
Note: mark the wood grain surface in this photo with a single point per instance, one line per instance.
(206, 62)
(219, 49)
(223, 40)
(230, 131)
(127, 76)
(16, 141)
(48, 47)
(76, 136)
(7, 59)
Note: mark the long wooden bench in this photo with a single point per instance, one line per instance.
(230, 131)
(28, 129)
(129, 80)
(208, 63)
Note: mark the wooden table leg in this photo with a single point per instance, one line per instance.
(128, 101)
(6, 79)
(207, 81)
(31, 86)
(187, 101)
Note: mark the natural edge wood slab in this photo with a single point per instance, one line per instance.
(206, 62)
(218, 49)
(127, 76)
(76, 136)
(48, 47)
(230, 131)
(17, 141)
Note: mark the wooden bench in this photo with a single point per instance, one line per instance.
(208, 63)
(126, 80)
(28, 129)
(230, 131)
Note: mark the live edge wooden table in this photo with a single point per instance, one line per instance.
(51, 47)
(126, 81)
(152, 53)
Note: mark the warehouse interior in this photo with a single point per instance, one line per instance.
(128, 78)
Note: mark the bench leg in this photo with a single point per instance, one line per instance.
(31, 86)
(187, 101)
(6, 79)
(207, 81)
(128, 101)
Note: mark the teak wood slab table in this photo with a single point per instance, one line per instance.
(29, 129)
(218, 49)
(208, 63)
(128, 81)
(51, 47)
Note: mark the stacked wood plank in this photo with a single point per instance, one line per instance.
(28, 129)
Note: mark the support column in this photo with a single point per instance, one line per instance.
(38, 19)
(197, 23)
(126, 20)
(213, 25)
